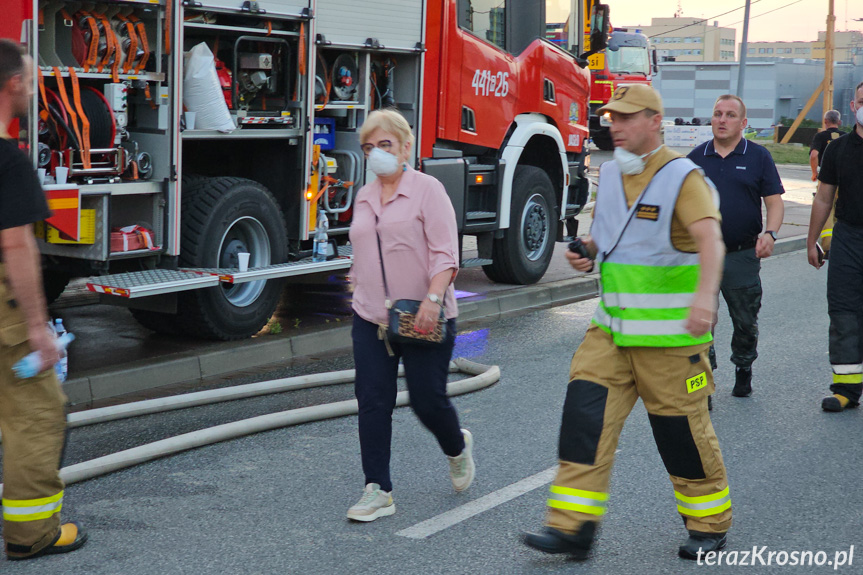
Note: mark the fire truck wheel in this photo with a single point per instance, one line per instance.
(522, 255)
(54, 283)
(221, 218)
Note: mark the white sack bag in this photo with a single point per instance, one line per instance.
(202, 93)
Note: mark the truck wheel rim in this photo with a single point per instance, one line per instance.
(246, 234)
(534, 227)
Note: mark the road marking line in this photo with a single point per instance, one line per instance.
(440, 522)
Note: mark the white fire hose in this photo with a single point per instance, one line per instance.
(482, 377)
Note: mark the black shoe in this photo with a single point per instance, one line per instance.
(743, 382)
(77, 538)
(701, 542)
(554, 541)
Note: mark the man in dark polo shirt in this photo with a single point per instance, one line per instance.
(744, 174)
(831, 131)
(842, 170)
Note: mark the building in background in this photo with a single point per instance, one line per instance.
(689, 39)
(848, 48)
(774, 89)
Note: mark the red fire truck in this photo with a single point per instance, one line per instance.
(155, 210)
(627, 61)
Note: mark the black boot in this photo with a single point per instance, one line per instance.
(554, 541)
(743, 382)
(701, 542)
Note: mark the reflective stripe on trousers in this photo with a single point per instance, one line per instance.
(590, 502)
(703, 505)
(32, 509)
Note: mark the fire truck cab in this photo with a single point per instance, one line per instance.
(169, 179)
(628, 60)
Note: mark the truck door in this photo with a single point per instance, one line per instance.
(486, 71)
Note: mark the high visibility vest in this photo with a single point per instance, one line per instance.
(647, 285)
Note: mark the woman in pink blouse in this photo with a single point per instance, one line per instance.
(414, 218)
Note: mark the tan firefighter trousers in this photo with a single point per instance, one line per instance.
(605, 382)
(33, 423)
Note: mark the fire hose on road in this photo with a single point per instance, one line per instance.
(482, 376)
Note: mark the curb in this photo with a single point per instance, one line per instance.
(231, 357)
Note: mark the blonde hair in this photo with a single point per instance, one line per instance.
(389, 121)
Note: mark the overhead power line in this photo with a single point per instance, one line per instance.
(703, 20)
(769, 11)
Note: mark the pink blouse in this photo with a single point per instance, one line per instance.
(419, 240)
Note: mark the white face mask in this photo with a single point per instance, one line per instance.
(629, 163)
(383, 163)
(860, 115)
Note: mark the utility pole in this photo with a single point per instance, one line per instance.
(828, 61)
(826, 86)
(741, 73)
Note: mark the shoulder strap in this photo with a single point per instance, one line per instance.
(387, 302)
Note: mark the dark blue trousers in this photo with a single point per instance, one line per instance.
(426, 370)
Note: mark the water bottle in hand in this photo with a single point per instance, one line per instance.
(62, 366)
(319, 251)
(29, 366)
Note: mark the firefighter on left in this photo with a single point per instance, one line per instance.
(32, 414)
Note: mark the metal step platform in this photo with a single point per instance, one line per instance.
(157, 282)
(474, 262)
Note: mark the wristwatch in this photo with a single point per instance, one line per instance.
(434, 298)
(771, 233)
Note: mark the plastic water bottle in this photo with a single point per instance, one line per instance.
(319, 252)
(62, 366)
(29, 365)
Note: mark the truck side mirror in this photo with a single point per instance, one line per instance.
(599, 28)
(654, 62)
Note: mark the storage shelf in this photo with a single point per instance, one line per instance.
(244, 133)
(149, 76)
(339, 105)
(239, 29)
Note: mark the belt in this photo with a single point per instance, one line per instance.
(747, 245)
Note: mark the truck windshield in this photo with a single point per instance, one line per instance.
(628, 59)
(561, 16)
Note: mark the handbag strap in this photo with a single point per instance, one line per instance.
(387, 303)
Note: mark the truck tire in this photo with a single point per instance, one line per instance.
(223, 216)
(54, 282)
(522, 255)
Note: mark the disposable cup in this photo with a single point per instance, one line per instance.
(190, 120)
(61, 174)
(41, 172)
(243, 258)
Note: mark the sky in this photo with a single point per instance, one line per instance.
(792, 20)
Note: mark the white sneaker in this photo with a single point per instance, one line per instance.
(462, 467)
(373, 504)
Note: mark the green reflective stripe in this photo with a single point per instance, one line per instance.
(632, 278)
(680, 313)
(590, 502)
(682, 340)
(32, 509)
(849, 378)
(826, 233)
(703, 505)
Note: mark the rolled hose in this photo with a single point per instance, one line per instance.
(482, 377)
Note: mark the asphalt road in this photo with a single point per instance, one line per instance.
(275, 502)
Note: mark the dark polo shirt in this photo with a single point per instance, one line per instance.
(742, 178)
